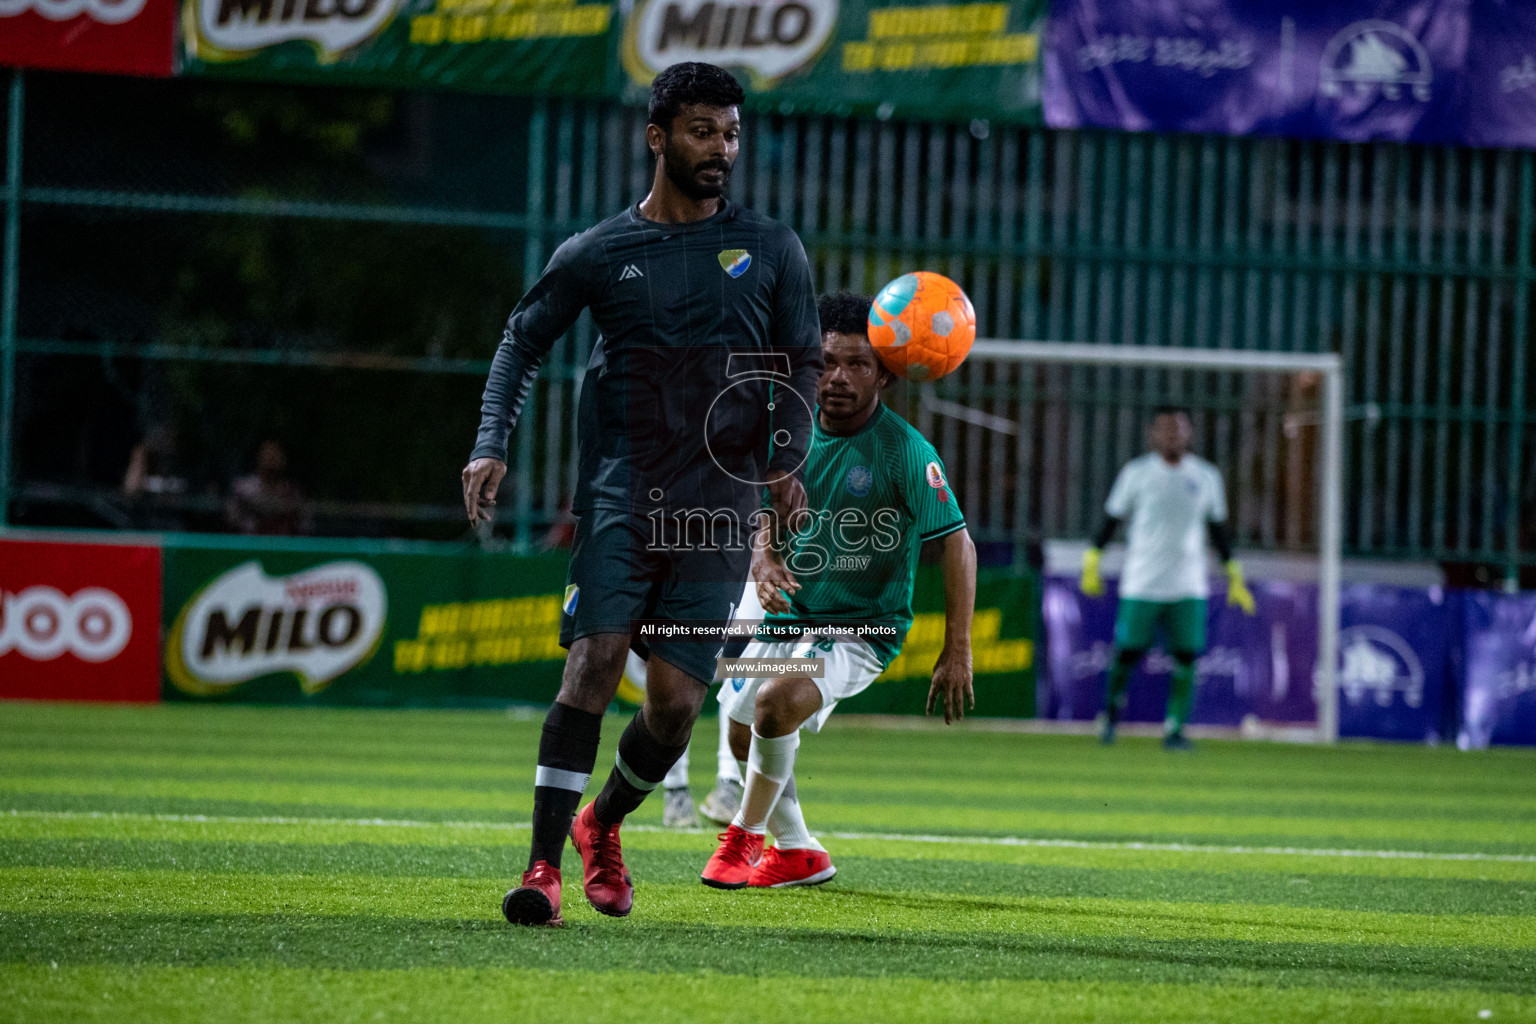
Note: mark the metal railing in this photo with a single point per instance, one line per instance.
(1414, 264)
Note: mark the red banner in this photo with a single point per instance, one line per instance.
(129, 37)
(79, 621)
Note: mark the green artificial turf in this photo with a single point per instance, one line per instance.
(184, 863)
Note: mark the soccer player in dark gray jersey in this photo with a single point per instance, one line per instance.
(701, 324)
(698, 399)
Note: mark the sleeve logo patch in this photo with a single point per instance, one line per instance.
(935, 476)
(735, 261)
(572, 595)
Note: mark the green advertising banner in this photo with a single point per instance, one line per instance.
(521, 47)
(359, 627)
(1003, 646)
(355, 625)
(843, 57)
(852, 57)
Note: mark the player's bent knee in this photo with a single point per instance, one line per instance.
(674, 708)
(784, 704)
(1132, 657)
(1186, 658)
(673, 700)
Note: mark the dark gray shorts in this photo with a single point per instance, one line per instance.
(619, 578)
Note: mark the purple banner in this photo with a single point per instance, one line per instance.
(1499, 85)
(1499, 675)
(1395, 649)
(1259, 665)
(1458, 71)
(1394, 661)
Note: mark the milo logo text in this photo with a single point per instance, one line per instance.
(234, 29)
(769, 38)
(316, 624)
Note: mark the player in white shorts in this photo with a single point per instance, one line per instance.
(1174, 502)
(838, 600)
(724, 800)
(849, 666)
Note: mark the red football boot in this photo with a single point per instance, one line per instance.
(780, 867)
(606, 881)
(537, 900)
(731, 865)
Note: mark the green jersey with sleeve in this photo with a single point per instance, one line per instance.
(875, 495)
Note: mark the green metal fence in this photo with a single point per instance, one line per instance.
(1414, 263)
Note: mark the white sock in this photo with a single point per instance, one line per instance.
(787, 824)
(770, 764)
(728, 768)
(677, 775)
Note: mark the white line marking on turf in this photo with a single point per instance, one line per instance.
(887, 837)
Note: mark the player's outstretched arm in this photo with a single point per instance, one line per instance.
(786, 500)
(952, 674)
(773, 578)
(548, 310)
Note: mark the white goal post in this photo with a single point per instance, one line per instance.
(1331, 457)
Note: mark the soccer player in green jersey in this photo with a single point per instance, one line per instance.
(1174, 501)
(840, 593)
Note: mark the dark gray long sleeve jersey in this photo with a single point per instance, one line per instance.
(705, 375)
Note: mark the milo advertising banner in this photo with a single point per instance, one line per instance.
(525, 47)
(1003, 634)
(441, 626)
(418, 628)
(947, 61)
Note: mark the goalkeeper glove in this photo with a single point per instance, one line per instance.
(1091, 584)
(1238, 594)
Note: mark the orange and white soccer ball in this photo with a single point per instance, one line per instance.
(922, 325)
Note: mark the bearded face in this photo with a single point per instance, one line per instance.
(697, 177)
(700, 149)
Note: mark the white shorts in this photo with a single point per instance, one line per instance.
(851, 665)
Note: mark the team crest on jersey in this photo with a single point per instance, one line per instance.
(859, 481)
(735, 261)
(572, 595)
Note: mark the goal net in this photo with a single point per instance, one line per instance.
(1033, 434)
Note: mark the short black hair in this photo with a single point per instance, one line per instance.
(847, 313)
(691, 82)
(844, 313)
(1169, 410)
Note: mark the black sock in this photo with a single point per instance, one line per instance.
(641, 765)
(567, 752)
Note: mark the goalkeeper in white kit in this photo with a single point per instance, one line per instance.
(1175, 502)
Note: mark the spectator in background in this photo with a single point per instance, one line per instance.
(268, 501)
(155, 482)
